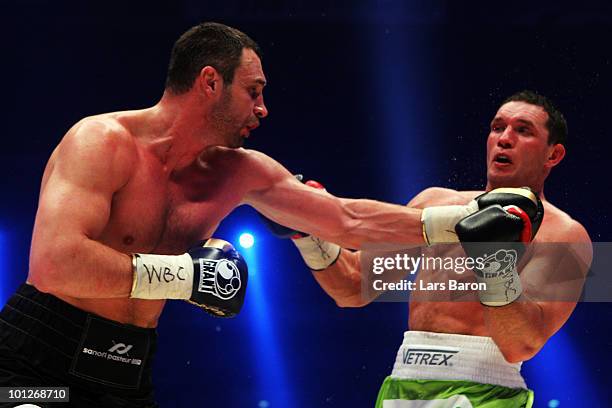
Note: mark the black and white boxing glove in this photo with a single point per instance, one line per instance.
(212, 275)
(497, 235)
(439, 222)
(316, 253)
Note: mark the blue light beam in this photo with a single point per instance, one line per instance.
(273, 385)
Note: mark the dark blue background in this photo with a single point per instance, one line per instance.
(377, 99)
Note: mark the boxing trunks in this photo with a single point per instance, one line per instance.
(452, 371)
(46, 342)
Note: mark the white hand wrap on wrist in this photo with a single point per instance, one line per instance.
(509, 289)
(317, 254)
(439, 222)
(162, 276)
(503, 286)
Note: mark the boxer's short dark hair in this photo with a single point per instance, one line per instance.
(213, 44)
(556, 124)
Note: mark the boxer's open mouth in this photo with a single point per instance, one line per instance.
(502, 158)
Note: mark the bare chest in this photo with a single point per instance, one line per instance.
(444, 300)
(155, 214)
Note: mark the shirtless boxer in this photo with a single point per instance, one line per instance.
(125, 194)
(486, 343)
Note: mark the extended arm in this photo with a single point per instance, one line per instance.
(347, 222)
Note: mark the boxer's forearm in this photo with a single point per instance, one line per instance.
(518, 329)
(342, 280)
(82, 268)
(378, 222)
(522, 327)
(349, 223)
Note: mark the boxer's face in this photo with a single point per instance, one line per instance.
(517, 147)
(241, 105)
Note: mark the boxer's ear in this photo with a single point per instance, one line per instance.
(555, 155)
(209, 82)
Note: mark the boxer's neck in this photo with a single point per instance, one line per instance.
(537, 188)
(178, 130)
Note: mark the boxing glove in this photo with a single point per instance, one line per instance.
(439, 222)
(497, 235)
(211, 275)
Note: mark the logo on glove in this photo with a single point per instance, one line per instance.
(501, 263)
(220, 278)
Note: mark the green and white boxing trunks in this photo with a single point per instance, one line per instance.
(438, 370)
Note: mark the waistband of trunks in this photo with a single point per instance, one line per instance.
(50, 321)
(442, 356)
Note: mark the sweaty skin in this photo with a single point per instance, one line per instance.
(518, 134)
(519, 329)
(161, 179)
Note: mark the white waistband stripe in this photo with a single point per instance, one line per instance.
(441, 356)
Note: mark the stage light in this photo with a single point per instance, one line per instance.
(246, 240)
(268, 353)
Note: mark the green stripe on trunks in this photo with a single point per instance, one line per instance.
(401, 393)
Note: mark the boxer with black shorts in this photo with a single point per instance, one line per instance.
(124, 198)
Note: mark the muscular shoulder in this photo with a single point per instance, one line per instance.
(225, 161)
(99, 145)
(254, 160)
(222, 155)
(441, 196)
(104, 135)
(249, 172)
(558, 226)
(249, 166)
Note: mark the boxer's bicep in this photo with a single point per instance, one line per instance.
(278, 195)
(88, 167)
(300, 207)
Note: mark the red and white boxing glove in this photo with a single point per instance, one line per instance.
(439, 222)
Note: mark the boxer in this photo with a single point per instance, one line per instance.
(486, 340)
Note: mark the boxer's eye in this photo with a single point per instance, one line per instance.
(524, 130)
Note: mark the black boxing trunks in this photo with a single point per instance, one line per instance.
(46, 342)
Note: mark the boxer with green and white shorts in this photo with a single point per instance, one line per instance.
(439, 370)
